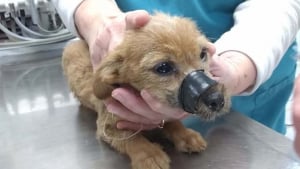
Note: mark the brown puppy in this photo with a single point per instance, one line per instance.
(156, 57)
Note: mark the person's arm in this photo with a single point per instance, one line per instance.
(88, 19)
(92, 15)
(262, 32)
(296, 114)
(66, 10)
(99, 22)
(77, 15)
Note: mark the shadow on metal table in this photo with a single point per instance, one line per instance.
(42, 126)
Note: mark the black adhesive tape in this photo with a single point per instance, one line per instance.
(194, 85)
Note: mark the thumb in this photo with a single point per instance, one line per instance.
(217, 67)
(136, 19)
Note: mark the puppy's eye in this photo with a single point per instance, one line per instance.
(203, 54)
(164, 68)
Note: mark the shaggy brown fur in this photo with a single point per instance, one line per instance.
(174, 40)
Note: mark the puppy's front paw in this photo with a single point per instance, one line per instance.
(189, 141)
(151, 158)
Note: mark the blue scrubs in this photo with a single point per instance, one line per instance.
(214, 17)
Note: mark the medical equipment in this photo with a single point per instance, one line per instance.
(29, 23)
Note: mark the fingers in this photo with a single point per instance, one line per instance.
(100, 47)
(118, 109)
(217, 68)
(136, 110)
(136, 19)
(133, 102)
(169, 112)
(235, 70)
(108, 37)
(111, 34)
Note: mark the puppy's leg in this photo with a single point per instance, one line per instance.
(184, 139)
(143, 153)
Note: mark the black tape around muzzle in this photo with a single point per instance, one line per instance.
(192, 88)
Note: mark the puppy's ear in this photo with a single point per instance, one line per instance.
(107, 76)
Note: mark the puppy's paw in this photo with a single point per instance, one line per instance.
(151, 158)
(189, 141)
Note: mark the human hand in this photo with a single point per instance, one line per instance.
(102, 25)
(111, 33)
(234, 69)
(296, 114)
(140, 110)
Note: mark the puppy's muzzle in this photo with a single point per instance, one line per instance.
(197, 89)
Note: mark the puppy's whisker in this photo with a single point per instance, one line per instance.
(121, 138)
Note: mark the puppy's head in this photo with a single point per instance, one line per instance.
(168, 57)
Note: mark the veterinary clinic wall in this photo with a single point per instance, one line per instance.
(289, 121)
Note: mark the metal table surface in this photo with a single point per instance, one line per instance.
(42, 126)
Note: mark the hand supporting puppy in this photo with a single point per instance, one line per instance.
(140, 109)
(106, 28)
(235, 70)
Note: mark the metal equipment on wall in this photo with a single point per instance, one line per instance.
(27, 23)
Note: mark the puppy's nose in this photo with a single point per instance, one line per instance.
(214, 101)
(198, 88)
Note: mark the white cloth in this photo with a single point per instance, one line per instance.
(263, 29)
(66, 10)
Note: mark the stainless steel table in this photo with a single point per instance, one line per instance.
(42, 126)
